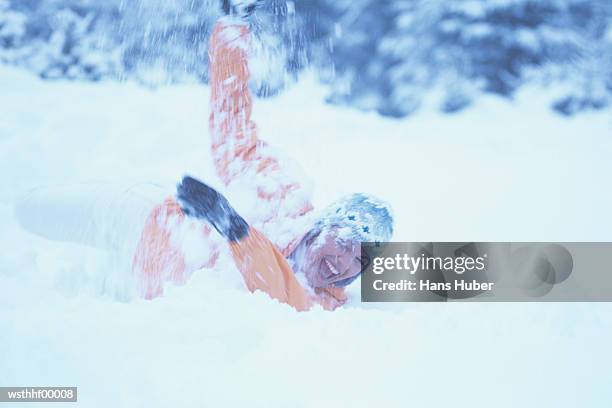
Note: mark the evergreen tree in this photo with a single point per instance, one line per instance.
(391, 53)
(376, 55)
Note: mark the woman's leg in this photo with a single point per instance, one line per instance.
(100, 215)
(105, 216)
(143, 227)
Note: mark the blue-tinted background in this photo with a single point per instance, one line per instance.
(377, 55)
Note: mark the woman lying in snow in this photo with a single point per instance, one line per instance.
(303, 269)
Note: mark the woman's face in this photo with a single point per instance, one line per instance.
(330, 261)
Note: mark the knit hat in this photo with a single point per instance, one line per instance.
(359, 217)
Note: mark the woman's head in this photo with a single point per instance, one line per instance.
(330, 254)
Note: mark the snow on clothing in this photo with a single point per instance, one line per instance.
(112, 217)
(241, 161)
(172, 246)
(169, 246)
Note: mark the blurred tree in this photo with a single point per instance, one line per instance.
(151, 40)
(589, 76)
(387, 54)
(63, 39)
(166, 41)
(376, 55)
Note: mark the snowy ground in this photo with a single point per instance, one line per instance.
(500, 171)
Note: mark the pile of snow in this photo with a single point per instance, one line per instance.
(500, 171)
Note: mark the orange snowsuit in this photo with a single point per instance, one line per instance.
(239, 157)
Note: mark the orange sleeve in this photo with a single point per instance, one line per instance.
(233, 134)
(237, 151)
(264, 268)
